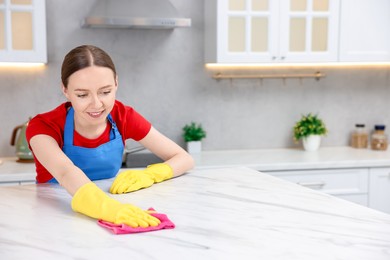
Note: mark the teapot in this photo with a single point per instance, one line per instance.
(23, 152)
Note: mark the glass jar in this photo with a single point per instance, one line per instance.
(379, 138)
(359, 137)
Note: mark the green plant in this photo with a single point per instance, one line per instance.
(193, 132)
(309, 125)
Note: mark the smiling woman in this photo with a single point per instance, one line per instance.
(83, 140)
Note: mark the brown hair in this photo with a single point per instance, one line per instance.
(82, 57)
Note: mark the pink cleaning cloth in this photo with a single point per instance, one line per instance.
(166, 223)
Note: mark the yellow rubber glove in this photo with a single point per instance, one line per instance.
(132, 180)
(93, 202)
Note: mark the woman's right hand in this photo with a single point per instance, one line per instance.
(93, 202)
(134, 217)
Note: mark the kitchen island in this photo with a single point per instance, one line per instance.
(226, 213)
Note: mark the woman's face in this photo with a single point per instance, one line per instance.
(92, 93)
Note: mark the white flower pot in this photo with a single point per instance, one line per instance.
(194, 147)
(312, 142)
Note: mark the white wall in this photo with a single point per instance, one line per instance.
(162, 75)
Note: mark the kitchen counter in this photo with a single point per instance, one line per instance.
(294, 159)
(12, 171)
(260, 159)
(227, 213)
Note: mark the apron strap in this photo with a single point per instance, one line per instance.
(113, 127)
(69, 127)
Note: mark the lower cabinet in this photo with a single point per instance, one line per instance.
(365, 186)
(379, 185)
(349, 184)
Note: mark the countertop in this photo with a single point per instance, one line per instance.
(295, 159)
(13, 171)
(258, 159)
(226, 213)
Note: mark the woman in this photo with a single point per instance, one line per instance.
(83, 140)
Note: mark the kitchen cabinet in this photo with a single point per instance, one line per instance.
(379, 196)
(350, 184)
(282, 31)
(365, 186)
(345, 172)
(364, 30)
(249, 31)
(23, 31)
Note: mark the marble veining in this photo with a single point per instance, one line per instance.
(227, 213)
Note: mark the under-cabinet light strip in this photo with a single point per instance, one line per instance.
(20, 64)
(297, 65)
(316, 75)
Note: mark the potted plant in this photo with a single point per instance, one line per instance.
(193, 134)
(310, 129)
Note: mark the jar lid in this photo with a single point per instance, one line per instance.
(380, 127)
(360, 125)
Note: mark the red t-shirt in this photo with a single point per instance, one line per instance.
(130, 124)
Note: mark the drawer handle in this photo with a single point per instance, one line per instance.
(312, 185)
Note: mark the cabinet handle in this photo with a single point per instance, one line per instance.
(385, 175)
(313, 185)
(273, 57)
(283, 57)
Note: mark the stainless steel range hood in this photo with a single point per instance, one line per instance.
(135, 14)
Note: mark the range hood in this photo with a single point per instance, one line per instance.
(135, 14)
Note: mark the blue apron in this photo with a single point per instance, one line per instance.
(102, 162)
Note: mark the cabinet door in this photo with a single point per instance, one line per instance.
(365, 32)
(349, 184)
(309, 30)
(379, 195)
(255, 31)
(245, 30)
(22, 31)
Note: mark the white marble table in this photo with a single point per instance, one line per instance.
(232, 213)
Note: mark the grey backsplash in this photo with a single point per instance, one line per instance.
(162, 75)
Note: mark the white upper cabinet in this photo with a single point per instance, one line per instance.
(271, 30)
(23, 31)
(280, 31)
(365, 30)
(241, 30)
(308, 30)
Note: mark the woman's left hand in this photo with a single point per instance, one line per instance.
(132, 180)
